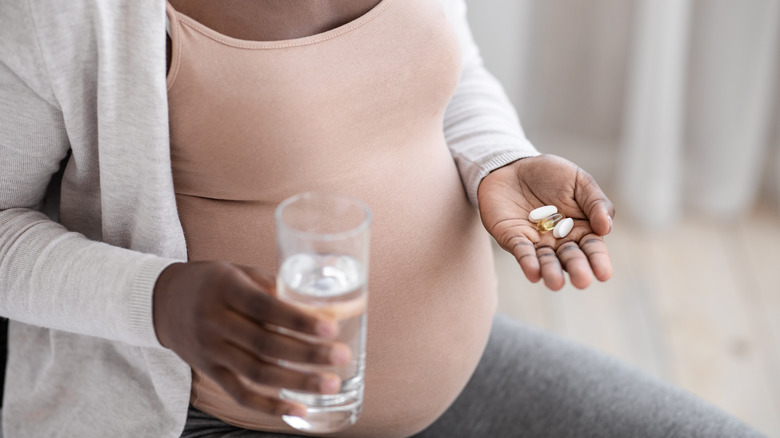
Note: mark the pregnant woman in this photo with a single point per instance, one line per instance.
(136, 226)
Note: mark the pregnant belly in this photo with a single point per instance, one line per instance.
(431, 293)
(427, 334)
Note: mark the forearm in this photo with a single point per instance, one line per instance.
(49, 276)
(59, 279)
(480, 125)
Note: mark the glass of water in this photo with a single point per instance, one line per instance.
(322, 242)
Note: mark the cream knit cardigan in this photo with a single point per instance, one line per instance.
(89, 76)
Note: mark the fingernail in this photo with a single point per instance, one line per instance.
(330, 384)
(340, 355)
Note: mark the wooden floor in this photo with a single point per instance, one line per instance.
(698, 306)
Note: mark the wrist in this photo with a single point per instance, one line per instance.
(162, 301)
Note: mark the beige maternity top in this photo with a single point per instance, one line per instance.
(356, 110)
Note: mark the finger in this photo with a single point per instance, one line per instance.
(525, 254)
(550, 268)
(273, 375)
(266, 343)
(250, 301)
(266, 281)
(576, 264)
(595, 250)
(251, 399)
(594, 203)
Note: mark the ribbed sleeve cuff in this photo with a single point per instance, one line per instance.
(480, 170)
(141, 312)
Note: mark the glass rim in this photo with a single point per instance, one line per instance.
(341, 235)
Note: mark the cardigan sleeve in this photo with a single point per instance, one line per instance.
(480, 124)
(50, 276)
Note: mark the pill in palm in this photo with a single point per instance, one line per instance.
(563, 227)
(542, 212)
(549, 223)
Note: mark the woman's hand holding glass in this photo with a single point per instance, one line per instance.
(221, 319)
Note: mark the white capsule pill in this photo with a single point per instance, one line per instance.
(563, 227)
(542, 212)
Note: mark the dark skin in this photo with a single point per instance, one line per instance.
(220, 318)
(271, 20)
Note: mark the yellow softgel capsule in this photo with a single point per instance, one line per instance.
(550, 222)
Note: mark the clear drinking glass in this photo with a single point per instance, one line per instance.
(322, 240)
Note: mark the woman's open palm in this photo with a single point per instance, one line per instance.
(506, 197)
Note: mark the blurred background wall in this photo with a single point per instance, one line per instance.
(673, 103)
(674, 107)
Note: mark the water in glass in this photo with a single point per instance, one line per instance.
(334, 285)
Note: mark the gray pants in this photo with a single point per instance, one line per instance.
(533, 384)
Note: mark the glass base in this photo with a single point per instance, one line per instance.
(319, 420)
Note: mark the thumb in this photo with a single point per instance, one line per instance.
(592, 200)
